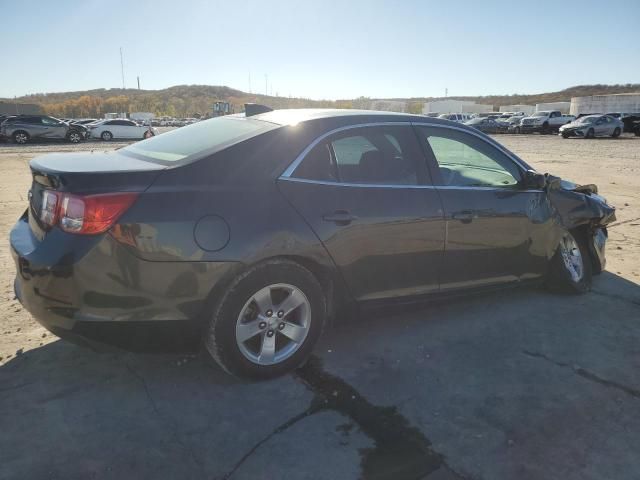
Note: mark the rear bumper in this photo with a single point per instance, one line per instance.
(102, 294)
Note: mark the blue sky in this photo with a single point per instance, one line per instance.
(323, 48)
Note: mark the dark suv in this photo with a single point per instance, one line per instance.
(23, 128)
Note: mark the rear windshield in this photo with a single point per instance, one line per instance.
(199, 138)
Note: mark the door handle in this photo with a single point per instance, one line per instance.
(339, 217)
(464, 217)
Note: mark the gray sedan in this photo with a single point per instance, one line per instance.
(592, 126)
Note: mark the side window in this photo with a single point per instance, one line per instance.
(376, 155)
(48, 121)
(370, 155)
(467, 161)
(110, 122)
(318, 165)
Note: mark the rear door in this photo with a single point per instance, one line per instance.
(32, 125)
(130, 129)
(494, 230)
(366, 194)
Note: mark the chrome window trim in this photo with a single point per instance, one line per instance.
(288, 173)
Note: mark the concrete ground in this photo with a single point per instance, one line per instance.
(518, 384)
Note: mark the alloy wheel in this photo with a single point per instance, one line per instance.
(572, 258)
(273, 324)
(74, 137)
(21, 137)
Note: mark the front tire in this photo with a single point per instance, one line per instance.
(148, 134)
(268, 321)
(590, 133)
(74, 137)
(106, 136)
(570, 269)
(616, 133)
(20, 137)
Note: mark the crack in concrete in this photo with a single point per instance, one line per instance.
(279, 429)
(167, 424)
(400, 450)
(635, 393)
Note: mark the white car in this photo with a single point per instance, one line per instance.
(119, 128)
(545, 121)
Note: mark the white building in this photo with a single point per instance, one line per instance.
(616, 103)
(563, 107)
(455, 106)
(388, 105)
(526, 109)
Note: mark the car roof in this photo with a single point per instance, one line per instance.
(286, 117)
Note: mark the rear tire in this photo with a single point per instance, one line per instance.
(20, 137)
(590, 133)
(570, 269)
(148, 134)
(250, 308)
(545, 128)
(106, 136)
(616, 133)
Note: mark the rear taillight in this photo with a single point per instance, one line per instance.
(50, 207)
(84, 214)
(93, 214)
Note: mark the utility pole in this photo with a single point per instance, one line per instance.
(266, 79)
(446, 92)
(122, 67)
(138, 82)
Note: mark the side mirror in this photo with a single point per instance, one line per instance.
(535, 180)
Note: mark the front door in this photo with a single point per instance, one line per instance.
(53, 128)
(365, 193)
(496, 232)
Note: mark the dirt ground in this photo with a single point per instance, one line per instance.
(529, 384)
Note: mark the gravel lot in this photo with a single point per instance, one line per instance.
(518, 385)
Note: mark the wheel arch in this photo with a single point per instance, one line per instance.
(329, 280)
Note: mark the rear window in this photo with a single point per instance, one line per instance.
(198, 139)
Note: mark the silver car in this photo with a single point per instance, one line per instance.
(592, 126)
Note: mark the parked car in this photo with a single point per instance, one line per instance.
(456, 117)
(119, 128)
(23, 128)
(513, 123)
(85, 121)
(544, 122)
(486, 125)
(250, 232)
(593, 126)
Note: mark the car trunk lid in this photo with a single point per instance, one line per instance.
(85, 174)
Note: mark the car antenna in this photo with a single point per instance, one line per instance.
(251, 109)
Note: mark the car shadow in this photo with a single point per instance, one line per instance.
(69, 412)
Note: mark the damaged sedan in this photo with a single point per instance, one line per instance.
(250, 231)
